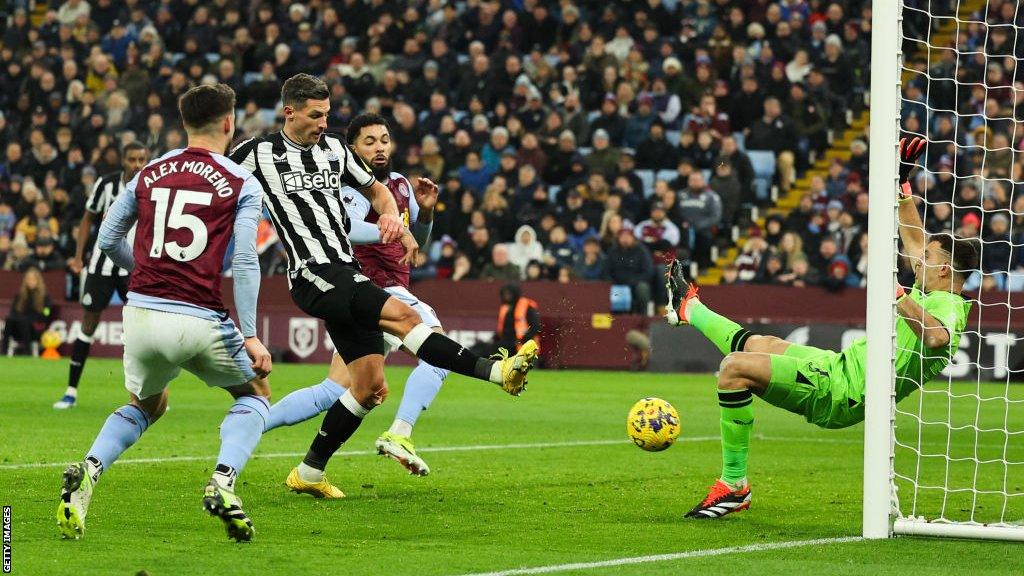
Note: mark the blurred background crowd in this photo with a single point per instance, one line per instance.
(573, 141)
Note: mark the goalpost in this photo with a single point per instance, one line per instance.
(949, 460)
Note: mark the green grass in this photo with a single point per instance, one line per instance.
(480, 510)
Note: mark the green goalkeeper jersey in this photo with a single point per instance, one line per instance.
(915, 364)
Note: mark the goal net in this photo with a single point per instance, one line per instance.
(952, 453)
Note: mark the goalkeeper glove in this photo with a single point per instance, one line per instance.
(900, 291)
(910, 151)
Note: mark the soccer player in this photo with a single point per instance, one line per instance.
(189, 204)
(302, 170)
(103, 276)
(824, 386)
(385, 265)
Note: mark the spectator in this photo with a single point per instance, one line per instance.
(776, 133)
(29, 316)
(656, 153)
(29, 226)
(478, 251)
(800, 274)
(44, 254)
(630, 264)
(560, 252)
(750, 260)
(701, 211)
(474, 174)
(604, 158)
(499, 268)
(526, 248)
(725, 183)
(591, 264)
(771, 271)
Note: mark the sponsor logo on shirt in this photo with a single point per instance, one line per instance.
(300, 181)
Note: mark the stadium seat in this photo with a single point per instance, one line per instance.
(741, 140)
(666, 175)
(647, 177)
(673, 137)
(763, 162)
(553, 191)
(621, 298)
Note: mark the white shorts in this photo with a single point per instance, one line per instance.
(158, 344)
(427, 315)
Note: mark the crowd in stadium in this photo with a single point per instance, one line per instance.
(586, 140)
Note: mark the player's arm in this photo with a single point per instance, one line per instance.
(911, 227)
(245, 268)
(421, 209)
(928, 328)
(120, 218)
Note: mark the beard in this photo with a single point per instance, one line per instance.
(381, 172)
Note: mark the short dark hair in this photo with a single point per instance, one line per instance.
(301, 87)
(362, 121)
(134, 145)
(204, 105)
(964, 252)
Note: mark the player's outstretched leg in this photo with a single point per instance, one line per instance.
(421, 388)
(740, 375)
(305, 403)
(122, 429)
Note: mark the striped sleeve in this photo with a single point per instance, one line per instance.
(95, 203)
(245, 154)
(354, 172)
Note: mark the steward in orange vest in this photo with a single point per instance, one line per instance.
(522, 324)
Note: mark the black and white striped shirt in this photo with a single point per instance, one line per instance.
(302, 191)
(104, 192)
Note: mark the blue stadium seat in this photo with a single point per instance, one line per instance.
(553, 191)
(741, 140)
(621, 298)
(666, 175)
(763, 162)
(673, 137)
(647, 177)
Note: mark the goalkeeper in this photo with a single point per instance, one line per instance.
(827, 387)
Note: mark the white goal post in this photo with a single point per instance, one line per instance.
(949, 461)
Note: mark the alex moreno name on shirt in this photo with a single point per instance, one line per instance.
(220, 184)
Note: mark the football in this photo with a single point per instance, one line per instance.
(653, 424)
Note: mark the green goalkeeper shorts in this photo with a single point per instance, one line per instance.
(811, 382)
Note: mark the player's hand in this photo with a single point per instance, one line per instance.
(412, 247)
(390, 228)
(910, 150)
(261, 363)
(75, 265)
(426, 194)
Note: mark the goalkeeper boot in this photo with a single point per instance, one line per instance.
(75, 494)
(400, 449)
(680, 292)
(321, 489)
(223, 504)
(722, 499)
(514, 369)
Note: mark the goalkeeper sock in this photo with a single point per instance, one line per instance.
(737, 420)
(727, 335)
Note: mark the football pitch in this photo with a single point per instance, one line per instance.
(544, 483)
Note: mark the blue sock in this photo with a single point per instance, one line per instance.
(241, 430)
(304, 404)
(122, 429)
(421, 388)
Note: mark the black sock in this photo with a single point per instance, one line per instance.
(79, 354)
(447, 354)
(338, 426)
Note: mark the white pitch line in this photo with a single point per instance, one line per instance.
(472, 448)
(669, 557)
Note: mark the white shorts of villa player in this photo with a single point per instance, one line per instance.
(158, 344)
(426, 312)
